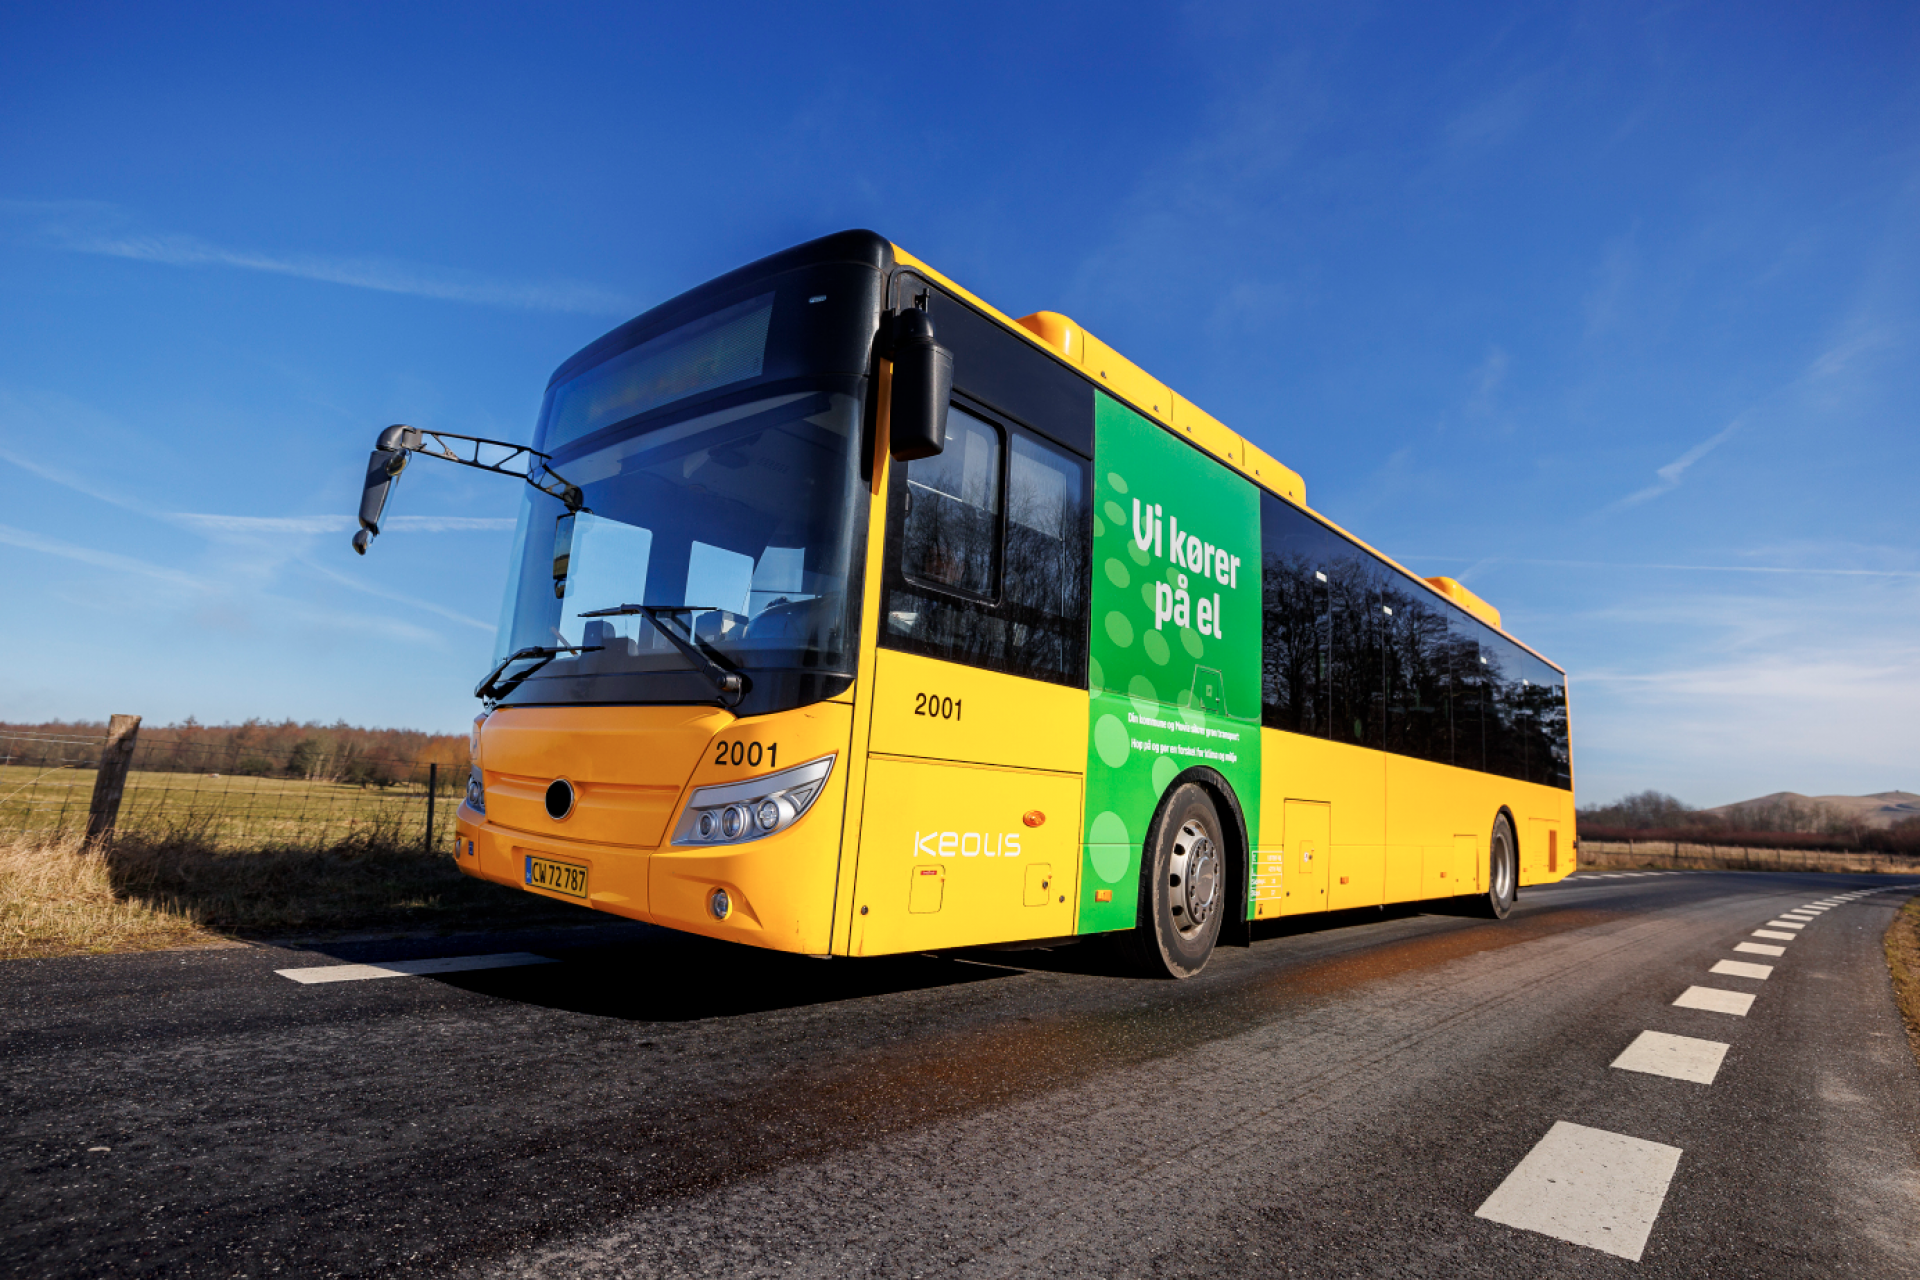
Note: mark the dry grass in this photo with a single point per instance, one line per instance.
(58, 898)
(1903, 962)
(1662, 855)
(182, 887)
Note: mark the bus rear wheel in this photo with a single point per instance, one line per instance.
(1503, 873)
(1183, 889)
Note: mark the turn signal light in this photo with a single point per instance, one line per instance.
(1033, 817)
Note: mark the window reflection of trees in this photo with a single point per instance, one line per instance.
(1007, 594)
(1356, 652)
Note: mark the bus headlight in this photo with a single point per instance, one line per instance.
(476, 790)
(741, 811)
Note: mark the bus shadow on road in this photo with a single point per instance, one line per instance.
(681, 978)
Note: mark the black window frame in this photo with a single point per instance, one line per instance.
(894, 579)
(1498, 667)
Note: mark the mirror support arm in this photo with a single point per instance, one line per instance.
(396, 442)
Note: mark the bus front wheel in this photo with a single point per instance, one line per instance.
(1183, 889)
(1503, 873)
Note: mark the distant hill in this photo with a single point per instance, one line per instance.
(1882, 809)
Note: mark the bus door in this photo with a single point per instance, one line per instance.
(970, 830)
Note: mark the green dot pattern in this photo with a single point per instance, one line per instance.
(1119, 629)
(1146, 699)
(1109, 847)
(1110, 740)
(1117, 573)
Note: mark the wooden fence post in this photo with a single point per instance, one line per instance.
(116, 753)
(433, 785)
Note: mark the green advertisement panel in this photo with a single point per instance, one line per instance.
(1175, 671)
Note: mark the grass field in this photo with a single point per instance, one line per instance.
(228, 811)
(59, 897)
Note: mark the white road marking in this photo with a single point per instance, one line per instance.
(1804, 917)
(1741, 969)
(1587, 1186)
(1716, 1000)
(1759, 949)
(411, 968)
(1775, 934)
(1786, 924)
(1682, 1057)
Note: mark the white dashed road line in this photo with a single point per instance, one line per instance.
(1716, 1000)
(1604, 1190)
(1741, 969)
(1593, 1188)
(1682, 1057)
(412, 968)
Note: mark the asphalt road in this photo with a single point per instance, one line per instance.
(1341, 1099)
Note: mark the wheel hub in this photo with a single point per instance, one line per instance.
(1193, 878)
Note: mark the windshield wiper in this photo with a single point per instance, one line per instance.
(731, 684)
(486, 688)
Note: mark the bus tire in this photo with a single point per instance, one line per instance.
(1503, 873)
(1184, 893)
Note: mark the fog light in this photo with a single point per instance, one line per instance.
(719, 904)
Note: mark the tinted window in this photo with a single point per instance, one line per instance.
(950, 538)
(1357, 652)
(1419, 672)
(1323, 670)
(988, 559)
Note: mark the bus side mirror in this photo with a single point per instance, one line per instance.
(922, 388)
(388, 460)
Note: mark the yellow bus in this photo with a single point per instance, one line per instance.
(848, 616)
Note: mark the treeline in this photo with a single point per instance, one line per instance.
(1779, 823)
(316, 752)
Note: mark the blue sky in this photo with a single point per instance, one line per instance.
(1610, 311)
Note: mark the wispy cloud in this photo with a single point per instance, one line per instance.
(1488, 379)
(68, 480)
(89, 227)
(257, 526)
(1671, 474)
(1493, 120)
(354, 584)
(100, 559)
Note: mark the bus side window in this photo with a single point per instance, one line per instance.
(988, 573)
(950, 540)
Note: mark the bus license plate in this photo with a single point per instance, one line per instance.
(556, 877)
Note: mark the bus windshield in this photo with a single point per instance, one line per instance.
(742, 511)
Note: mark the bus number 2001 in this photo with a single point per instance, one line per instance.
(932, 704)
(741, 752)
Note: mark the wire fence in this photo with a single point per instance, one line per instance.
(231, 795)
